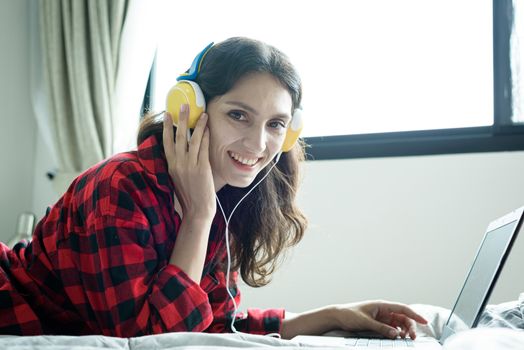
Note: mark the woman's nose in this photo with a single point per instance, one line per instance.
(255, 140)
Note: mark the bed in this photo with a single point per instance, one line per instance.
(501, 327)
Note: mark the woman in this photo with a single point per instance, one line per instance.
(137, 244)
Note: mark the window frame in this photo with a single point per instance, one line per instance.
(149, 93)
(503, 135)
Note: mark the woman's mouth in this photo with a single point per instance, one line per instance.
(243, 160)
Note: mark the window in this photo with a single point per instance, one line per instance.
(381, 77)
(517, 62)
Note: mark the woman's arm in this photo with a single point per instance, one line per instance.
(314, 322)
(254, 321)
(189, 167)
(189, 253)
(389, 319)
(113, 277)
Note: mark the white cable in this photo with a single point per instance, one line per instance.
(228, 250)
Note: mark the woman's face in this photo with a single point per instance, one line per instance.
(247, 128)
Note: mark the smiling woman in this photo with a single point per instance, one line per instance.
(251, 90)
(137, 244)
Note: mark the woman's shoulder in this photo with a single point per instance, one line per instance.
(112, 169)
(112, 183)
(124, 182)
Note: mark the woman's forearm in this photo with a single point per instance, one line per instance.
(189, 253)
(314, 322)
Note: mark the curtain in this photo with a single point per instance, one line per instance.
(90, 61)
(80, 41)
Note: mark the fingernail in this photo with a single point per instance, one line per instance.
(183, 107)
(393, 333)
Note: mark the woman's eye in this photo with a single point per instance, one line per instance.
(236, 115)
(277, 124)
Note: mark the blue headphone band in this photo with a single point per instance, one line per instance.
(193, 71)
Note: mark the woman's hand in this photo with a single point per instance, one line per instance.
(188, 165)
(389, 319)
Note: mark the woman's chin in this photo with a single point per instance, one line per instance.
(240, 184)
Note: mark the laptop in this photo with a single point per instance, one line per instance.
(471, 301)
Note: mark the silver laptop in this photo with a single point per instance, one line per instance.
(475, 292)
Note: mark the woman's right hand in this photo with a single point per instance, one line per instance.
(188, 165)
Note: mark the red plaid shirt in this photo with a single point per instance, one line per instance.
(98, 262)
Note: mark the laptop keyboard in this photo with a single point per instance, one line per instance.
(379, 343)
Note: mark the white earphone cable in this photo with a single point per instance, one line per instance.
(229, 252)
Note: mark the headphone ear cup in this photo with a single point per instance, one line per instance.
(293, 131)
(186, 92)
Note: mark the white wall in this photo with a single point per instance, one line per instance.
(46, 192)
(18, 126)
(404, 229)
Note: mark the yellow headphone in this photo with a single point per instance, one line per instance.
(186, 91)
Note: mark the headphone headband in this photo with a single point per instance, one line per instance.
(193, 71)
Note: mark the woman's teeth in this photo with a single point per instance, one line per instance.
(245, 161)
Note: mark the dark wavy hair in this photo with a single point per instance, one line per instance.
(268, 221)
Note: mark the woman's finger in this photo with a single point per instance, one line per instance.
(393, 322)
(204, 148)
(181, 133)
(406, 310)
(412, 332)
(385, 329)
(167, 137)
(406, 324)
(195, 144)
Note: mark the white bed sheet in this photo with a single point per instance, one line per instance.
(482, 338)
(477, 339)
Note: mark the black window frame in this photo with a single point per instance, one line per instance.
(149, 93)
(503, 135)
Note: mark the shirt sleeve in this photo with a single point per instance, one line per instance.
(128, 298)
(111, 268)
(254, 321)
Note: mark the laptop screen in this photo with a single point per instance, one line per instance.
(478, 283)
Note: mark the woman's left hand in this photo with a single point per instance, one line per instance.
(387, 318)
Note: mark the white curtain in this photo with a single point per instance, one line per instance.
(90, 62)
